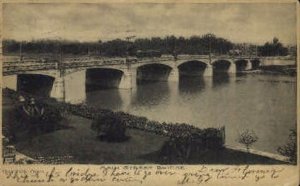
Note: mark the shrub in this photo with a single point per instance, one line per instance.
(247, 138)
(191, 141)
(110, 127)
(290, 149)
(46, 121)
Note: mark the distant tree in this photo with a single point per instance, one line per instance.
(168, 45)
(275, 48)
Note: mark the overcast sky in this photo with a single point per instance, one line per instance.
(255, 23)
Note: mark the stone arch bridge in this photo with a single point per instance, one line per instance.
(67, 80)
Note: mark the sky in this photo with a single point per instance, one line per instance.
(252, 23)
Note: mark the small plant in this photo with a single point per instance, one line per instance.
(110, 127)
(290, 149)
(247, 138)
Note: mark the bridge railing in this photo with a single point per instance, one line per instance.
(9, 65)
(20, 67)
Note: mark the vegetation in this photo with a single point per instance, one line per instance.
(247, 138)
(44, 118)
(274, 48)
(110, 127)
(171, 45)
(167, 45)
(290, 149)
(184, 145)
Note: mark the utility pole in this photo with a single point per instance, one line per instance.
(20, 51)
(209, 47)
(62, 73)
(61, 68)
(128, 38)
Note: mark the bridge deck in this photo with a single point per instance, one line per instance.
(12, 64)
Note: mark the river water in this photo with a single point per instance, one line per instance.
(263, 103)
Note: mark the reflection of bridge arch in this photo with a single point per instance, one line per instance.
(99, 78)
(35, 84)
(223, 65)
(192, 68)
(153, 72)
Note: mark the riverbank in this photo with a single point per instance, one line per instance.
(290, 70)
(286, 70)
(75, 142)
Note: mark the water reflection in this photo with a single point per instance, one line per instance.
(191, 84)
(220, 79)
(149, 94)
(244, 102)
(107, 99)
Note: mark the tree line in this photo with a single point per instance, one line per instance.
(202, 45)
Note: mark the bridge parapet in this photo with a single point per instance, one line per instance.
(10, 66)
(15, 68)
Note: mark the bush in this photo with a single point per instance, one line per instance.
(46, 122)
(290, 149)
(187, 142)
(247, 138)
(110, 127)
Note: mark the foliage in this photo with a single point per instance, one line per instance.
(274, 48)
(290, 149)
(189, 143)
(49, 120)
(168, 45)
(247, 138)
(111, 126)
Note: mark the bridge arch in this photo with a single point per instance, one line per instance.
(222, 65)
(192, 68)
(153, 72)
(35, 84)
(50, 73)
(242, 65)
(103, 78)
(255, 63)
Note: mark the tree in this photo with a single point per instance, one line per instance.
(290, 149)
(247, 138)
(273, 49)
(118, 47)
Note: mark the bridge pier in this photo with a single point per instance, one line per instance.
(128, 80)
(249, 65)
(74, 87)
(174, 75)
(232, 68)
(58, 89)
(10, 82)
(208, 71)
